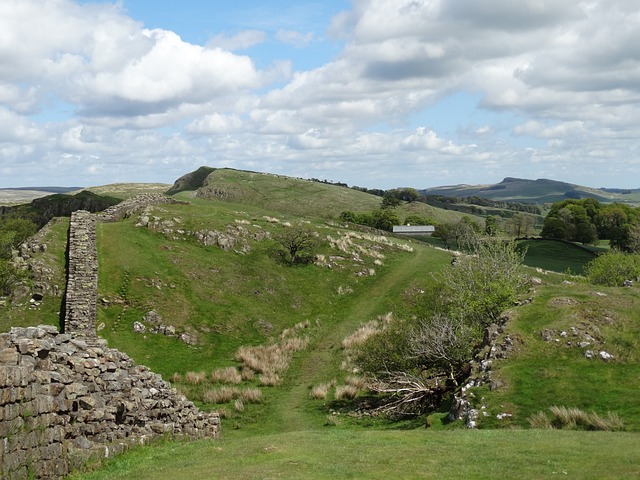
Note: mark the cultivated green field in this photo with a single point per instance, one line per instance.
(247, 296)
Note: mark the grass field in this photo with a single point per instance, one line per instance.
(335, 453)
(556, 256)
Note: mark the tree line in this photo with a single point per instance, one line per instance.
(586, 221)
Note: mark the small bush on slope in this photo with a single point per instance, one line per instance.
(613, 269)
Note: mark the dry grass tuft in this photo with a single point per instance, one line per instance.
(320, 392)
(274, 358)
(344, 392)
(195, 378)
(226, 375)
(576, 419)
(540, 420)
(295, 344)
(250, 395)
(238, 405)
(222, 394)
(176, 377)
(356, 381)
(247, 374)
(263, 359)
(269, 379)
(366, 330)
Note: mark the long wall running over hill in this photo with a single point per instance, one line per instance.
(67, 396)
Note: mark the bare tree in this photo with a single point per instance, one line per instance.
(443, 343)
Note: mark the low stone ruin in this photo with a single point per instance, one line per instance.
(65, 397)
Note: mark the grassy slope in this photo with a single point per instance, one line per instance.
(541, 374)
(303, 197)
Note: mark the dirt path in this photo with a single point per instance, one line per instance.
(294, 409)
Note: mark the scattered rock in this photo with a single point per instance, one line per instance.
(605, 356)
(139, 327)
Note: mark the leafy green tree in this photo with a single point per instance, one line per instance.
(520, 225)
(385, 219)
(479, 287)
(553, 227)
(634, 239)
(390, 200)
(490, 225)
(348, 216)
(586, 233)
(298, 244)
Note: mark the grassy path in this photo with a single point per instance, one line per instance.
(291, 407)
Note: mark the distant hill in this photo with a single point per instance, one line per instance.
(535, 191)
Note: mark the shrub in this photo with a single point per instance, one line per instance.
(612, 269)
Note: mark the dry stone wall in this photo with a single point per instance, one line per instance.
(134, 204)
(65, 397)
(82, 276)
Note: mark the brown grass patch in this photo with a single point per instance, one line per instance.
(344, 392)
(195, 378)
(223, 394)
(226, 375)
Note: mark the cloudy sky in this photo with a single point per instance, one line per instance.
(375, 93)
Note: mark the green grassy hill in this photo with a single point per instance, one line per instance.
(210, 304)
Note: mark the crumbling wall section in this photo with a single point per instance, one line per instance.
(65, 397)
(133, 205)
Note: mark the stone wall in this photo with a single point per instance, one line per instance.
(82, 276)
(134, 204)
(65, 397)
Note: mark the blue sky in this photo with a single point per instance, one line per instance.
(376, 93)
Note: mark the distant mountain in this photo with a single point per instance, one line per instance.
(534, 191)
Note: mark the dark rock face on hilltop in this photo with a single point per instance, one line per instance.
(191, 181)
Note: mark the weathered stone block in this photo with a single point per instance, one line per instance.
(9, 356)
